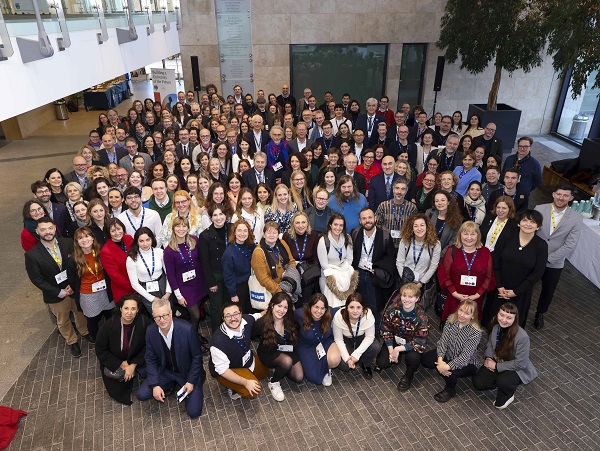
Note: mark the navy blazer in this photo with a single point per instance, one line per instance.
(62, 219)
(103, 156)
(264, 136)
(377, 192)
(187, 352)
(361, 123)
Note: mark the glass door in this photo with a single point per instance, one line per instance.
(412, 71)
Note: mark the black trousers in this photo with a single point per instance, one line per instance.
(550, 280)
(366, 358)
(506, 382)
(411, 358)
(428, 361)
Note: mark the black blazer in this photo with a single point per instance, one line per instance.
(496, 148)
(362, 123)
(382, 257)
(359, 180)
(41, 269)
(103, 156)
(427, 203)
(108, 342)
(510, 227)
(62, 219)
(377, 192)
(179, 151)
(249, 178)
(265, 138)
(211, 256)
(448, 235)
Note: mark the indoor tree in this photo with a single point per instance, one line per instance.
(510, 34)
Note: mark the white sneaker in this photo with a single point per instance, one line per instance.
(506, 404)
(276, 391)
(327, 379)
(233, 395)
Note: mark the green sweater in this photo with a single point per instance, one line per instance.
(162, 211)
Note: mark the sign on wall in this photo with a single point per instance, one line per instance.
(164, 87)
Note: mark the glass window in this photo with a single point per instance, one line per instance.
(412, 71)
(358, 69)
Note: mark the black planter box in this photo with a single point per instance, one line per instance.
(506, 119)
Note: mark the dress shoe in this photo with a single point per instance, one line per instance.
(539, 321)
(404, 384)
(367, 372)
(444, 396)
(75, 350)
(89, 339)
(377, 369)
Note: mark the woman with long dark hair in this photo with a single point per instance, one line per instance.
(113, 256)
(237, 263)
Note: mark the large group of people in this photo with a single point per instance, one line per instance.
(323, 232)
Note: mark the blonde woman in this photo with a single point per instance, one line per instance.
(185, 208)
(301, 194)
(281, 209)
(248, 210)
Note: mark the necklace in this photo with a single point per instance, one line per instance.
(521, 244)
(317, 212)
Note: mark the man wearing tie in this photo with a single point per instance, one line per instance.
(257, 137)
(231, 137)
(368, 122)
(380, 187)
(183, 148)
(260, 173)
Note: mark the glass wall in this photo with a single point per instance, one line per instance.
(412, 71)
(358, 69)
(574, 117)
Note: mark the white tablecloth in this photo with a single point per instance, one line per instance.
(586, 256)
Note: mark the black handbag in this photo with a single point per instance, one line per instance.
(118, 375)
(382, 278)
(407, 275)
(308, 271)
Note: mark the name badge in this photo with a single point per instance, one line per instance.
(151, 287)
(395, 234)
(399, 340)
(99, 286)
(189, 275)
(469, 281)
(320, 351)
(246, 357)
(285, 348)
(277, 166)
(367, 266)
(61, 276)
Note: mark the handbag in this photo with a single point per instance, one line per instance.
(382, 278)
(308, 271)
(407, 275)
(259, 295)
(118, 375)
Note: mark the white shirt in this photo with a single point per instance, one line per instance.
(558, 215)
(219, 358)
(138, 274)
(369, 245)
(151, 219)
(169, 337)
(340, 330)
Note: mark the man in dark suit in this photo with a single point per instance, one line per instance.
(350, 163)
(492, 144)
(260, 173)
(46, 264)
(373, 249)
(110, 154)
(183, 147)
(401, 144)
(257, 137)
(301, 141)
(286, 97)
(367, 122)
(173, 356)
(380, 186)
(58, 212)
(79, 172)
(132, 151)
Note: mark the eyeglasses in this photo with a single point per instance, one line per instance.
(181, 202)
(299, 179)
(36, 210)
(368, 157)
(79, 165)
(429, 180)
(523, 147)
(233, 315)
(323, 198)
(162, 317)
(132, 197)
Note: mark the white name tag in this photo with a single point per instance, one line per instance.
(320, 351)
(246, 357)
(469, 281)
(151, 287)
(99, 286)
(61, 276)
(285, 348)
(366, 265)
(277, 166)
(399, 340)
(395, 233)
(189, 275)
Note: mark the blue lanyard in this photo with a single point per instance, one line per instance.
(370, 251)
(513, 196)
(275, 250)
(441, 229)
(472, 212)
(141, 223)
(150, 274)
(450, 161)
(462, 174)
(414, 246)
(327, 146)
(240, 343)
(355, 337)
(123, 247)
(469, 263)
(186, 263)
(301, 254)
(399, 220)
(339, 251)
(241, 250)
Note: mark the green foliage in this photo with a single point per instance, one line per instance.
(574, 36)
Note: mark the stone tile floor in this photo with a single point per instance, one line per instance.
(69, 409)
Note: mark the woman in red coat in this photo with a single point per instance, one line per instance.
(113, 256)
(469, 273)
(32, 211)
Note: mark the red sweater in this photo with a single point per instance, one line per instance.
(113, 260)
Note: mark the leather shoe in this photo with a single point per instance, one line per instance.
(75, 350)
(367, 372)
(404, 384)
(89, 339)
(444, 396)
(539, 321)
(378, 369)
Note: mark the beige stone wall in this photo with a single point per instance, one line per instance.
(278, 23)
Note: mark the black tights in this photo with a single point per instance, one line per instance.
(194, 311)
(285, 366)
(94, 322)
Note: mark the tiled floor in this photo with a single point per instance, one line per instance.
(69, 409)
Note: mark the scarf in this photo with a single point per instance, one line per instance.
(274, 150)
(30, 225)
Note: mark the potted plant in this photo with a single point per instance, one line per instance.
(509, 34)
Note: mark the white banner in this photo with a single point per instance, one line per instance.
(165, 89)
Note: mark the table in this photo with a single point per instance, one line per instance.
(586, 255)
(105, 99)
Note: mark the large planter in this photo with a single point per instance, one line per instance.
(506, 119)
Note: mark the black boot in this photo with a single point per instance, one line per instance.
(538, 323)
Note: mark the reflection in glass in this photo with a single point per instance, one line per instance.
(577, 114)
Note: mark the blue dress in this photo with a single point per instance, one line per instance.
(315, 369)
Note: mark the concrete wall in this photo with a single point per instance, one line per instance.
(278, 23)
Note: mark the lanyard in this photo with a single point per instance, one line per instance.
(94, 272)
(189, 252)
(260, 176)
(326, 145)
(144, 262)
(398, 221)
(414, 246)
(258, 141)
(275, 250)
(240, 343)
(339, 251)
(301, 254)
(441, 229)
(55, 256)
(355, 337)
(370, 251)
(554, 222)
(450, 161)
(472, 212)
(462, 174)
(241, 251)
(469, 263)
(370, 125)
(141, 223)
(318, 336)
(497, 230)
(513, 196)
(122, 246)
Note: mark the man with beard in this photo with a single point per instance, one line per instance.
(137, 216)
(57, 212)
(46, 265)
(347, 201)
(392, 214)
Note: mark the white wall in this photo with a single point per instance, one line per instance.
(24, 87)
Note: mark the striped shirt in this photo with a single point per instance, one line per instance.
(459, 345)
(391, 217)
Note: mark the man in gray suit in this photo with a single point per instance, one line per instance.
(132, 150)
(561, 229)
(301, 141)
